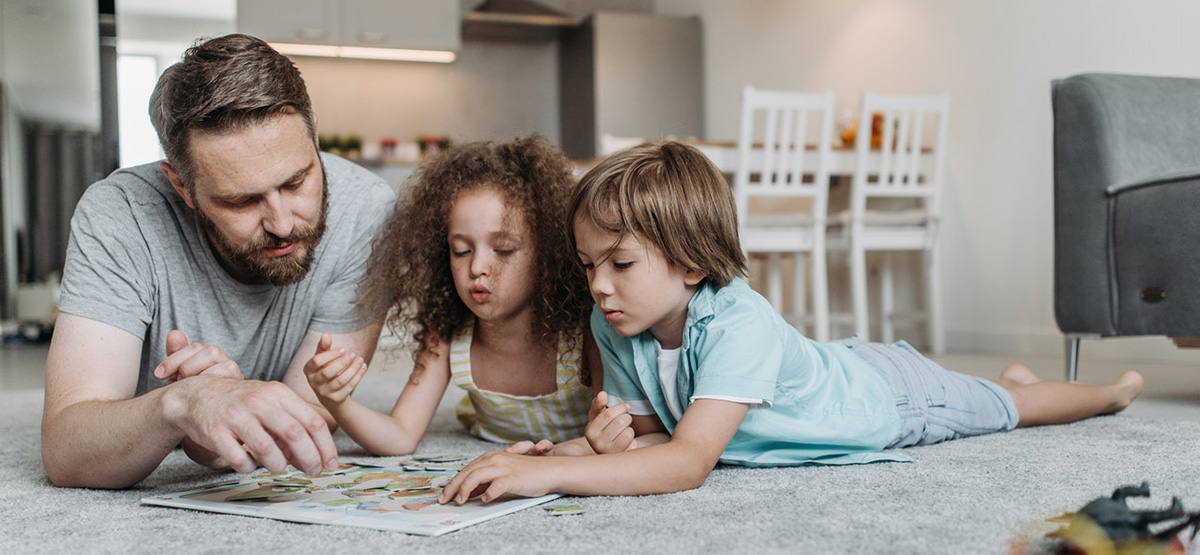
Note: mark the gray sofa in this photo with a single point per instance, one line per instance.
(1126, 207)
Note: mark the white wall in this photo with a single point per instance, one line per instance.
(51, 59)
(996, 59)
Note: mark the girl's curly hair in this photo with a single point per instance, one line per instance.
(409, 270)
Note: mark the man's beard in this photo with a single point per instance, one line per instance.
(252, 265)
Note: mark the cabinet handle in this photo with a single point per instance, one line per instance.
(372, 37)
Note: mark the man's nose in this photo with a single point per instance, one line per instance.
(277, 217)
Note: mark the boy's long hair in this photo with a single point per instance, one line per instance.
(409, 270)
(671, 195)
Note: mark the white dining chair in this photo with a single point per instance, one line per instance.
(884, 174)
(781, 189)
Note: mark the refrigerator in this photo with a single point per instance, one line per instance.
(630, 75)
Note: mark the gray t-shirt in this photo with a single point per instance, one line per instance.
(138, 260)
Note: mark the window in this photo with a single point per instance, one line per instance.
(136, 76)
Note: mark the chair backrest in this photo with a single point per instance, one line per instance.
(909, 154)
(775, 162)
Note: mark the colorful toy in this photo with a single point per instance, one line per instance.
(1108, 526)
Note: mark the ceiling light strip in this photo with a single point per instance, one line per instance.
(362, 52)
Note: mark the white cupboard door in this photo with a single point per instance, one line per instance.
(296, 21)
(415, 24)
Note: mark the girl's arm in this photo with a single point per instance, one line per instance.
(362, 342)
(400, 432)
(649, 430)
(682, 462)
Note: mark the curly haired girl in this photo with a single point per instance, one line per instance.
(475, 263)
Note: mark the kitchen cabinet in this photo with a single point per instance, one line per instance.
(630, 75)
(414, 24)
(303, 21)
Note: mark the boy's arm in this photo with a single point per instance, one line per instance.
(614, 429)
(681, 463)
(609, 430)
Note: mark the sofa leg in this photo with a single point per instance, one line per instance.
(1072, 349)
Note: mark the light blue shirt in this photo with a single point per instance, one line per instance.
(822, 403)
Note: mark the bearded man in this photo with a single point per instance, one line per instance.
(195, 289)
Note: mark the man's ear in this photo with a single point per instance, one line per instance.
(316, 130)
(177, 183)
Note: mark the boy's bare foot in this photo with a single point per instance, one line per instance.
(1127, 387)
(1019, 374)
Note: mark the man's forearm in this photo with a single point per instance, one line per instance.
(107, 443)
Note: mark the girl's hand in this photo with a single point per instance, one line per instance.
(333, 373)
(495, 474)
(544, 447)
(611, 428)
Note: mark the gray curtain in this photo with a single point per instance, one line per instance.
(62, 163)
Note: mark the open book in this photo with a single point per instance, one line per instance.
(402, 498)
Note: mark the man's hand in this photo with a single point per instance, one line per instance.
(246, 423)
(333, 373)
(185, 360)
(610, 429)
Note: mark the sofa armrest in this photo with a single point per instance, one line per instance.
(1188, 174)
(1114, 136)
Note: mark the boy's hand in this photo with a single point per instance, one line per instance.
(495, 474)
(544, 447)
(610, 429)
(599, 403)
(333, 373)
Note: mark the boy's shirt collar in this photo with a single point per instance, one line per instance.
(700, 307)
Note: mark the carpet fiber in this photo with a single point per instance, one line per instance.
(963, 496)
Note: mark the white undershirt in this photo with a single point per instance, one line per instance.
(668, 369)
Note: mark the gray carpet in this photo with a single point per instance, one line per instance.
(964, 496)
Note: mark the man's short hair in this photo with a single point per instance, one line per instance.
(672, 196)
(223, 84)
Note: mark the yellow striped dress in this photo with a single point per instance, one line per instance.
(505, 418)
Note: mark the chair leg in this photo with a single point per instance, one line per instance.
(1072, 350)
(887, 301)
(820, 288)
(774, 282)
(799, 288)
(933, 299)
(858, 291)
